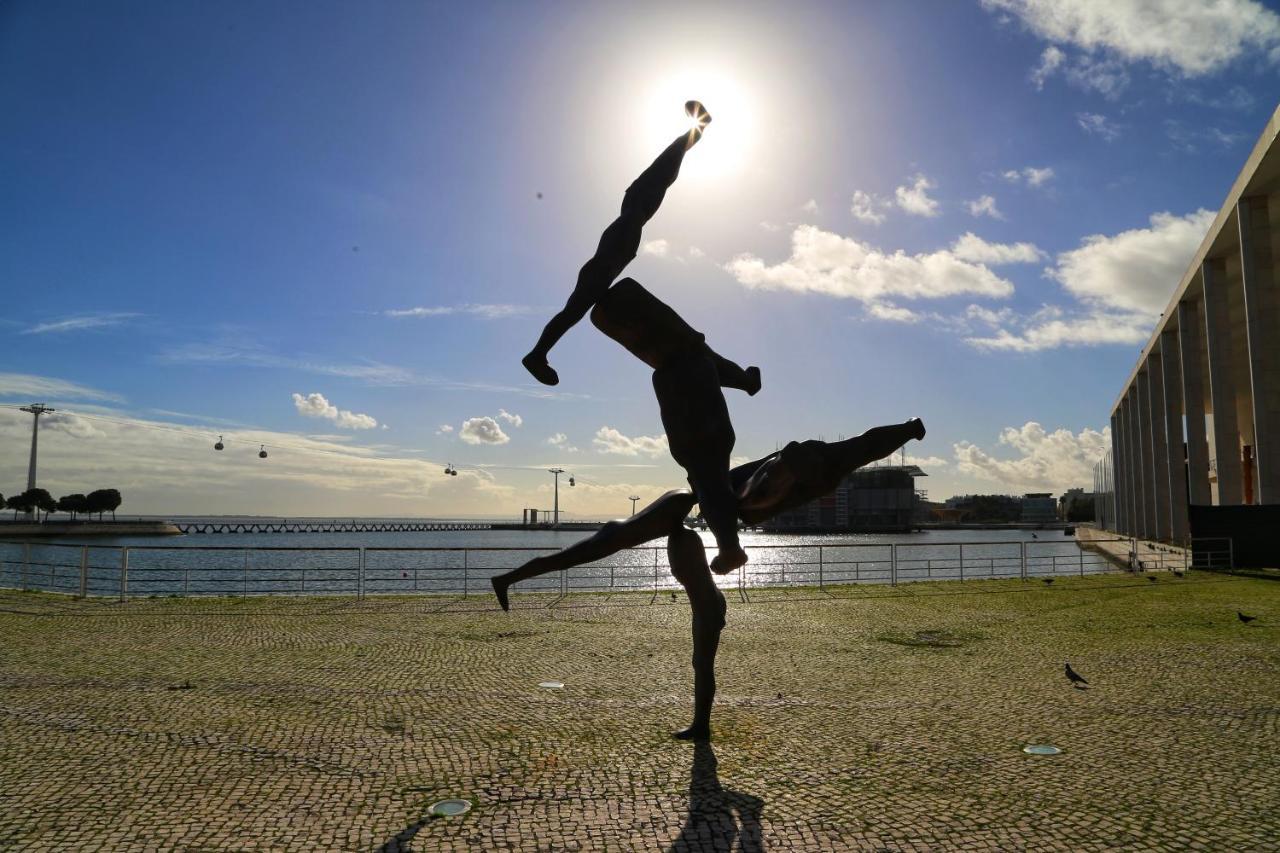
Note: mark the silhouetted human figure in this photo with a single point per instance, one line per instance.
(618, 246)
(787, 478)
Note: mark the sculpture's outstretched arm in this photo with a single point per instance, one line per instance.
(658, 519)
(618, 246)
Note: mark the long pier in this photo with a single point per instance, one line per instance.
(353, 526)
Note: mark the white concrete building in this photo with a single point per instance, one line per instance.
(1198, 420)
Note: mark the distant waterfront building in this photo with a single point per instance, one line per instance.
(1195, 430)
(878, 498)
(1039, 508)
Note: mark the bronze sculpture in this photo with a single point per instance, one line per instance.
(687, 379)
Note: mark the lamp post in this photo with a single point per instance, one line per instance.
(36, 409)
(555, 524)
(633, 500)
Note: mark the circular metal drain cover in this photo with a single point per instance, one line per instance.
(551, 685)
(450, 808)
(1041, 749)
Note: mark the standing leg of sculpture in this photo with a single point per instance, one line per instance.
(618, 245)
(688, 560)
(656, 520)
(700, 437)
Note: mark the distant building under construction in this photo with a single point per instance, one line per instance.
(876, 499)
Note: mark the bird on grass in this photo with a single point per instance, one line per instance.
(1047, 581)
(1151, 578)
(1077, 680)
(1244, 617)
(673, 596)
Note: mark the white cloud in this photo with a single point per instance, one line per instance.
(1044, 461)
(695, 252)
(1091, 328)
(924, 461)
(81, 322)
(658, 248)
(482, 430)
(29, 386)
(1050, 61)
(867, 207)
(316, 406)
(155, 462)
(914, 198)
(984, 206)
(561, 441)
(971, 247)
(1134, 270)
(444, 429)
(1030, 175)
(810, 206)
(823, 262)
(1190, 38)
(1098, 125)
(514, 420)
(609, 440)
(892, 313)
(484, 311)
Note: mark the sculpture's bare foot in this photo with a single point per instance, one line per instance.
(753, 381)
(696, 110)
(500, 590)
(541, 371)
(919, 425)
(728, 559)
(698, 731)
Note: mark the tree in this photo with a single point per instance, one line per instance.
(18, 503)
(111, 501)
(72, 504)
(40, 499)
(104, 500)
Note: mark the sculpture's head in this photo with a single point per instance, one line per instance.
(787, 474)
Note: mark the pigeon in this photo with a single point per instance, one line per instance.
(539, 195)
(1047, 581)
(1151, 578)
(673, 596)
(1076, 678)
(1244, 617)
(1033, 536)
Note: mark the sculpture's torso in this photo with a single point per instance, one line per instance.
(646, 326)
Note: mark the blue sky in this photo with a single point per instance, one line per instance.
(970, 212)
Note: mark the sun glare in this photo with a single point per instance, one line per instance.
(728, 141)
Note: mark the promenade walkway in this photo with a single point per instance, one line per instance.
(875, 718)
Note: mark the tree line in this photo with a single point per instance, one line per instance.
(39, 500)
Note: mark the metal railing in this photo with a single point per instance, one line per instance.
(165, 570)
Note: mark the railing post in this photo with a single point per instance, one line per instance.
(84, 571)
(961, 561)
(655, 570)
(26, 563)
(893, 565)
(360, 576)
(1023, 560)
(124, 573)
(820, 573)
(465, 552)
(1081, 550)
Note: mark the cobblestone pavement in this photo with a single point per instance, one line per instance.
(876, 718)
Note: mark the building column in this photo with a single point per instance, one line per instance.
(1132, 456)
(1156, 477)
(1262, 327)
(1124, 485)
(1116, 523)
(1142, 457)
(1189, 326)
(1172, 363)
(1222, 390)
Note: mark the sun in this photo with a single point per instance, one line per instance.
(726, 146)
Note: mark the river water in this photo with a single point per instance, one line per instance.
(460, 562)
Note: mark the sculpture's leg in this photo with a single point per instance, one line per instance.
(875, 443)
(688, 561)
(700, 437)
(618, 245)
(656, 520)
